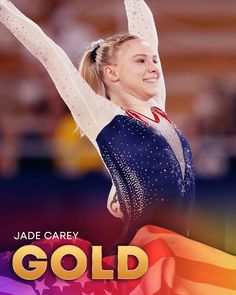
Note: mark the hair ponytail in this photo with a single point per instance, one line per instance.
(89, 71)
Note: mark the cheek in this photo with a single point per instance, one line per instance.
(132, 74)
(134, 68)
(139, 68)
(137, 74)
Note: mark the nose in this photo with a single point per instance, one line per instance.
(153, 68)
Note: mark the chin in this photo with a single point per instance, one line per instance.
(150, 95)
(144, 97)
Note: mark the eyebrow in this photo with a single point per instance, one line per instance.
(141, 54)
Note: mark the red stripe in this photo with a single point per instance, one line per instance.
(165, 290)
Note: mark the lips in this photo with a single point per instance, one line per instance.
(151, 80)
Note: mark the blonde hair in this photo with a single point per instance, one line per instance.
(100, 54)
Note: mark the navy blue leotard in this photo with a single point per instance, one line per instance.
(147, 175)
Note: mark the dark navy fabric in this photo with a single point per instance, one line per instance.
(147, 176)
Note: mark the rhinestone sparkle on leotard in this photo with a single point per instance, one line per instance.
(145, 169)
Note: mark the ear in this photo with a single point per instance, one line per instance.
(110, 73)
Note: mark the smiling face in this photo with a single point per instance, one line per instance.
(137, 70)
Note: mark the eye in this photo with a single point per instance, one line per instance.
(140, 60)
(155, 61)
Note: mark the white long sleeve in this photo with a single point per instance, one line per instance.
(141, 23)
(90, 111)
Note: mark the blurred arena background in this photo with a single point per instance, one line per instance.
(52, 179)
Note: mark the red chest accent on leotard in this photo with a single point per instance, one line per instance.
(155, 111)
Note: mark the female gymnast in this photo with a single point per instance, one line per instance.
(117, 99)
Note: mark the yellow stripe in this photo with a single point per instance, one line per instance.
(185, 287)
(205, 273)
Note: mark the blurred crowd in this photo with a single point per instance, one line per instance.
(212, 128)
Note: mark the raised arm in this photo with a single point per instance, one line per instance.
(141, 23)
(84, 104)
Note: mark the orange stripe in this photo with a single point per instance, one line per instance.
(158, 230)
(206, 273)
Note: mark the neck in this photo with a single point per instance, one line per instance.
(131, 102)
